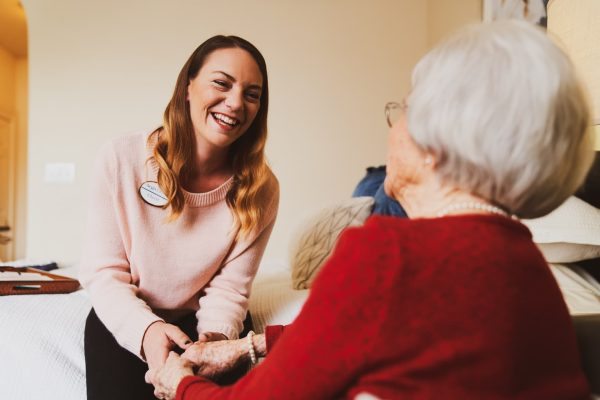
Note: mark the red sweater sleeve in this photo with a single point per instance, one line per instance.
(323, 350)
(272, 334)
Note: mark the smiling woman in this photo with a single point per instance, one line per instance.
(179, 220)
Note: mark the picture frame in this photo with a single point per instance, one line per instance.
(533, 11)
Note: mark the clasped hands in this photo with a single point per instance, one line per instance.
(210, 356)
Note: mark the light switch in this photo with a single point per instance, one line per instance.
(59, 172)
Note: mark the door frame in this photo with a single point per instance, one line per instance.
(10, 120)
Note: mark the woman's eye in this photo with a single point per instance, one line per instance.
(221, 83)
(253, 96)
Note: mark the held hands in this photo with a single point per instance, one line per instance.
(211, 357)
(215, 358)
(159, 339)
(166, 378)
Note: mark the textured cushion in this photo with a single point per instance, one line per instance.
(317, 237)
(570, 233)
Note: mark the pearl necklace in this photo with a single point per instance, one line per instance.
(472, 206)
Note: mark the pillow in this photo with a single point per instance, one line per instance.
(274, 301)
(580, 291)
(568, 234)
(318, 236)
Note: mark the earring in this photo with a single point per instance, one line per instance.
(428, 160)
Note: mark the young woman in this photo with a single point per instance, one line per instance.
(178, 221)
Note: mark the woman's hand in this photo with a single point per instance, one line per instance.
(211, 337)
(159, 339)
(216, 358)
(167, 377)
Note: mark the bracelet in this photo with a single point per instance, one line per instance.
(251, 347)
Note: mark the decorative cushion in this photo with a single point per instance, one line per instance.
(568, 234)
(318, 236)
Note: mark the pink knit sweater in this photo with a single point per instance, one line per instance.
(139, 269)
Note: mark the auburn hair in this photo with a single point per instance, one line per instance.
(174, 151)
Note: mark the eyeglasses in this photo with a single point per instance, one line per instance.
(393, 111)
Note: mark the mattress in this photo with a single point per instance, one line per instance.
(41, 336)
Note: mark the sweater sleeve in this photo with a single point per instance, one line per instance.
(224, 304)
(104, 268)
(272, 335)
(328, 345)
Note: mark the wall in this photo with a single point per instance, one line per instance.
(447, 16)
(100, 69)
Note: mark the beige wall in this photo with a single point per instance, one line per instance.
(100, 69)
(446, 16)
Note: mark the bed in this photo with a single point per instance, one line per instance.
(41, 338)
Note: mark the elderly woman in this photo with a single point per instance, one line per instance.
(455, 302)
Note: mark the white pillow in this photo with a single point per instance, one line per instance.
(570, 233)
(580, 290)
(317, 238)
(274, 301)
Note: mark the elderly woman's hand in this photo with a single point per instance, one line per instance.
(216, 358)
(166, 378)
(211, 337)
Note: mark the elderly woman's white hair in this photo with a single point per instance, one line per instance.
(502, 111)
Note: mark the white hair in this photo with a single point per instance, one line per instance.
(500, 108)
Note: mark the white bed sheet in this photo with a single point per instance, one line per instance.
(41, 336)
(41, 346)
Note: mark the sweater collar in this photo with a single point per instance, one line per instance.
(191, 199)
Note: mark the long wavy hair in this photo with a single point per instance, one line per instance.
(174, 151)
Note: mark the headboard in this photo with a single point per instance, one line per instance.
(590, 191)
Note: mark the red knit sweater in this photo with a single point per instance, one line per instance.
(461, 307)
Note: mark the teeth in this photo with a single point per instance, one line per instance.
(225, 119)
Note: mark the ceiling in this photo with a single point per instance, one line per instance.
(13, 27)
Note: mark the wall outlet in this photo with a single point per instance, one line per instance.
(59, 172)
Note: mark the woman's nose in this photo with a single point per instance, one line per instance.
(234, 100)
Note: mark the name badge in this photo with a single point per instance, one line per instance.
(151, 194)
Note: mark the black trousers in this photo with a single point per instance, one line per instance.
(113, 373)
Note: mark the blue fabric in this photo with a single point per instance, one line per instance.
(372, 185)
